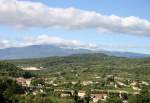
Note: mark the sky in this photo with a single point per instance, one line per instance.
(115, 25)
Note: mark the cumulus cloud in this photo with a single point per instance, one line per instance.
(45, 39)
(35, 14)
(61, 42)
(76, 44)
(52, 40)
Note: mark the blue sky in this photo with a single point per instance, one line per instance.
(127, 39)
(138, 8)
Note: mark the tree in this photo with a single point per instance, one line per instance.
(132, 99)
(28, 75)
(78, 86)
(38, 81)
(113, 99)
(143, 97)
(9, 90)
(75, 96)
(88, 96)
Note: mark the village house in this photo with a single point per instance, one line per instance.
(23, 81)
(87, 83)
(97, 77)
(98, 96)
(28, 82)
(120, 84)
(81, 94)
(54, 84)
(136, 88)
(74, 83)
(145, 83)
(65, 95)
(35, 92)
(134, 83)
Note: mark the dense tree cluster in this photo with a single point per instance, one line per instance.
(9, 69)
(38, 81)
(143, 97)
(9, 91)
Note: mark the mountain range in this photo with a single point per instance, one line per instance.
(39, 51)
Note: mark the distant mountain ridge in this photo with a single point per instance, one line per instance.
(39, 51)
(126, 54)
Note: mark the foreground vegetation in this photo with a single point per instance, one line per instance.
(11, 92)
(76, 79)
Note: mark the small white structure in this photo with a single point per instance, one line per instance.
(65, 95)
(121, 84)
(74, 82)
(87, 83)
(28, 82)
(98, 77)
(133, 84)
(145, 83)
(81, 94)
(136, 88)
(31, 68)
(55, 84)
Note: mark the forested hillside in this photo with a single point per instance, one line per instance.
(88, 74)
(9, 69)
(91, 64)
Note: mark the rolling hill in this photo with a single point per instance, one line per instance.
(88, 65)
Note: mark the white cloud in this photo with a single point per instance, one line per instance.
(76, 44)
(64, 43)
(35, 14)
(45, 39)
(4, 44)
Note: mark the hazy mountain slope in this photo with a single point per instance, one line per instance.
(126, 54)
(38, 51)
